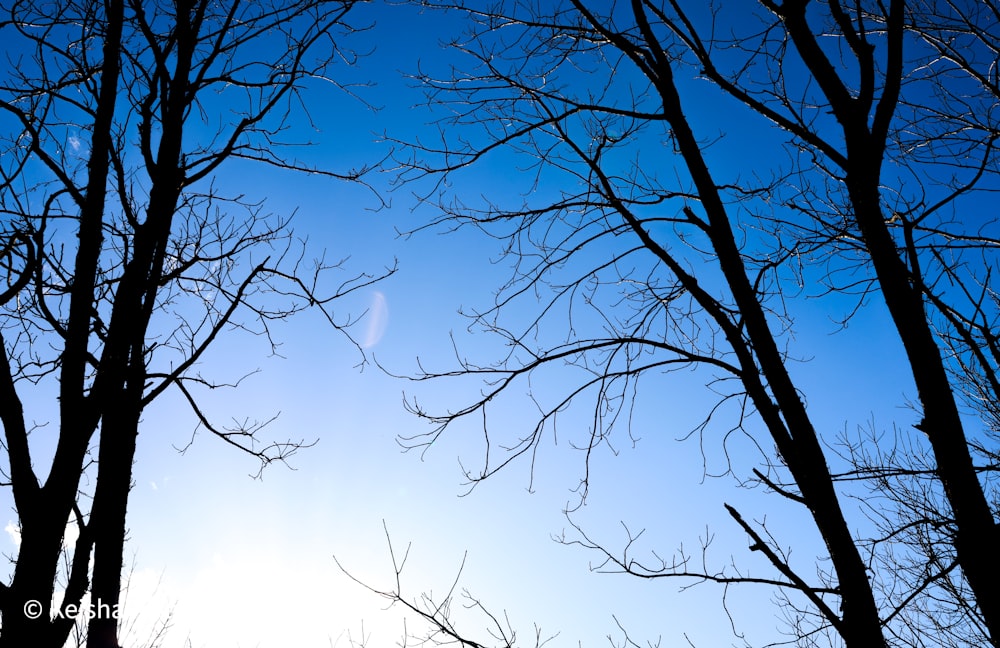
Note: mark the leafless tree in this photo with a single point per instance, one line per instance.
(123, 261)
(654, 237)
(439, 615)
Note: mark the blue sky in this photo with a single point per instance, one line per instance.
(246, 562)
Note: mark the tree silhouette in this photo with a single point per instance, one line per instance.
(652, 239)
(123, 261)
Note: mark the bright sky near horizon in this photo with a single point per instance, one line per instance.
(238, 562)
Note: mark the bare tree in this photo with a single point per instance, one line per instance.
(123, 261)
(439, 624)
(643, 249)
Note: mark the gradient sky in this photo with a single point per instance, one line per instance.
(245, 562)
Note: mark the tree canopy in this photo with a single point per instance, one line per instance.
(696, 178)
(123, 261)
(680, 192)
